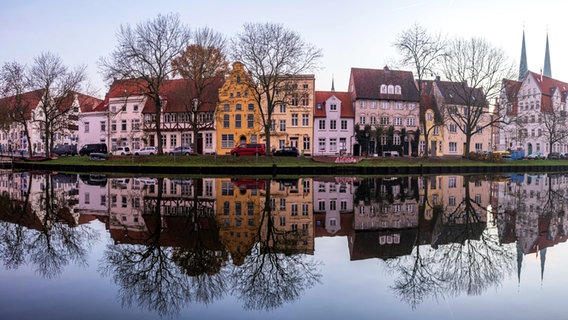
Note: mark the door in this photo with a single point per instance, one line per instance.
(433, 148)
(294, 142)
(529, 149)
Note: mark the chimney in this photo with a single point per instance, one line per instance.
(437, 78)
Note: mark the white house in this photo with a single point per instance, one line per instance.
(333, 123)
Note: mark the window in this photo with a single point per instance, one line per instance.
(305, 209)
(305, 120)
(273, 125)
(453, 147)
(333, 124)
(123, 125)
(321, 205)
(398, 121)
(321, 144)
(250, 120)
(373, 120)
(294, 209)
(362, 119)
(185, 139)
(384, 121)
(322, 124)
(86, 127)
(113, 126)
(332, 144)
(227, 141)
(238, 120)
(282, 204)
(410, 122)
(282, 108)
(135, 107)
(343, 205)
(294, 120)
(396, 139)
(453, 128)
(226, 107)
(226, 123)
(383, 88)
(227, 188)
(333, 107)
(283, 125)
(362, 104)
(306, 143)
(250, 107)
(479, 147)
(173, 141)
(397, 90)
(343, 124)
(436, 130)
(305, 100)
(135, 124)
(282, 221)
(452, 201)
(103, 126)
(209, 140)
(452, 182)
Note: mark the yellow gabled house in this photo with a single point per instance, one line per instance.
(238, 116)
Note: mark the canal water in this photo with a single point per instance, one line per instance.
(84, 246)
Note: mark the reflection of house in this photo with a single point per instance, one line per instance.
(383, 244)
(386, 203)
(238, 214)
(333, 198)
(292, 213)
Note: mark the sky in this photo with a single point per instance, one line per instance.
(349, 33)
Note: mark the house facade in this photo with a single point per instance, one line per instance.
(292, 119)
(386, 100)
(237, 115)
(534, 111)
(333, 124)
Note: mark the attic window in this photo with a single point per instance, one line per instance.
(383, 88)
(391, 89)
(397, 90)
(319, 106)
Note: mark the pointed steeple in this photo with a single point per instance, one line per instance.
(523, 65)
(332, 83)
(542, 261)
(547, 72)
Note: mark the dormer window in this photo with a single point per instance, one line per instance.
(397, 90)
(333, 107)
(391, 89)
(383, 88)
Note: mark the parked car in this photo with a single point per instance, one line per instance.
(555, 156)
(122, 151)
(535, 156)
(65, 150)
(87, 149)
(247, 149)
(287, 152)
(146, 151)
(181, 151)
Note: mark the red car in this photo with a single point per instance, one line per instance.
(249, 149)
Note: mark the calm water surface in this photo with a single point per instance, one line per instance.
(449, 247)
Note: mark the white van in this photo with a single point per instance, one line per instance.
(122, 151)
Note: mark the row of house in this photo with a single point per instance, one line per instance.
(316, 122)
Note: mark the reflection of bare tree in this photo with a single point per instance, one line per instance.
(165, 279)
(274, 273)
(47, 236)
(467, 258)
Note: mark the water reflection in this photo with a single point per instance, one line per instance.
(179, 241)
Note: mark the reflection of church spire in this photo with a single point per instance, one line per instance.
(519, 261)
(523, 65)
(542, 261)
(547, 71)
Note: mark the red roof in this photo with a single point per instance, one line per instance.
(547, 87)
(367, 84)
(29, 100)
(176, 93)
(512, 88)
(344, 97)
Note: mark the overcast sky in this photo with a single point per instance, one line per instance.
(350, 33)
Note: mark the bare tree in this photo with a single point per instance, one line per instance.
(146, 52)
(15, 108)
(56, 86)
(476, 69)
(554, 127)
(205, 65)
(422, 51)
(273, 55)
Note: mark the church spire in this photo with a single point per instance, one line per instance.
(547, 72)
(332, 83)
(523, 65)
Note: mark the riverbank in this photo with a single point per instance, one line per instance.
(275, 166)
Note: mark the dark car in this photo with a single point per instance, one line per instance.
(287, 152)
(248, 149)
(87, 149)
(65, 150)
(555, 156)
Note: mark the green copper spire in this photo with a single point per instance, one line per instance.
(547, 72)
(523, 66)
